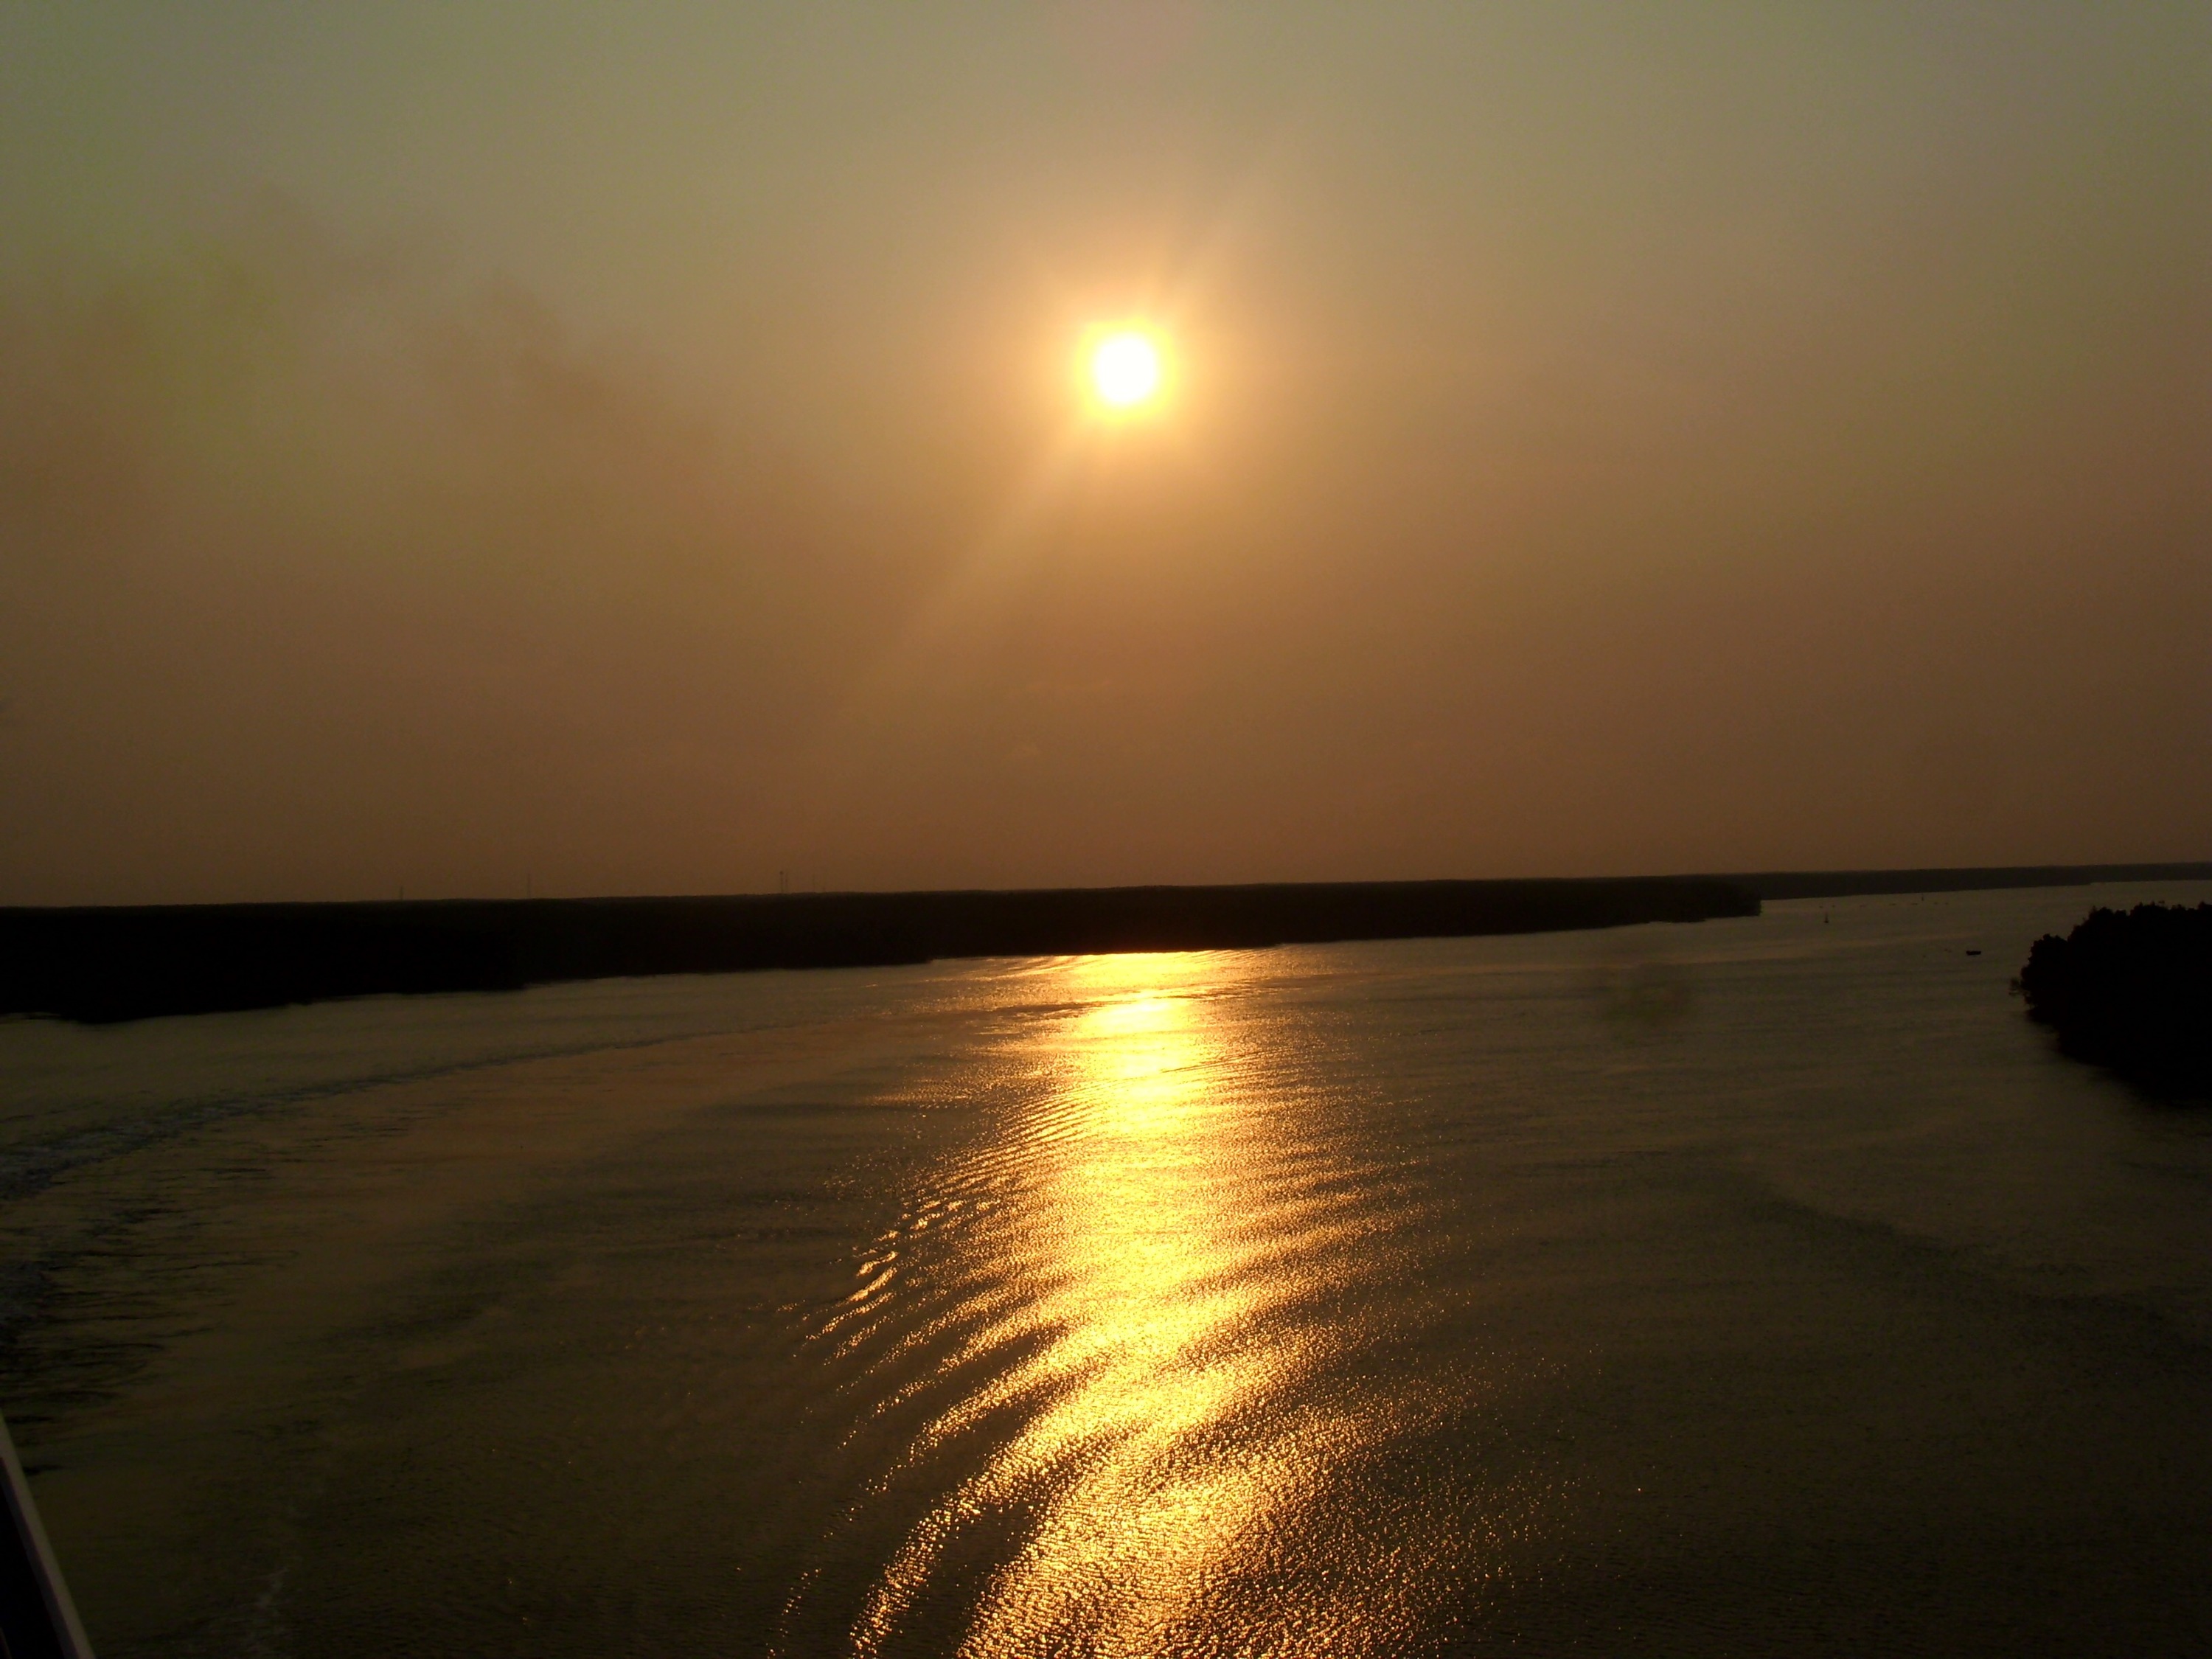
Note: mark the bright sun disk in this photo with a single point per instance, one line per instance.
(1125, 368)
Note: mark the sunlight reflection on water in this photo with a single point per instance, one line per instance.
(1174, 1237)
(1764, 1286)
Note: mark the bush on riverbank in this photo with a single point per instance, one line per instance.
(2131, 990)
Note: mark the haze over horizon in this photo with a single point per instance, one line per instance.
(643, 449)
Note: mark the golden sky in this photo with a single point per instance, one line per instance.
(647, 448)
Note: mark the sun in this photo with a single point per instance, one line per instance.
(1126, 368)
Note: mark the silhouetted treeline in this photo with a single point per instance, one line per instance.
(2131, 990)
(111, 963)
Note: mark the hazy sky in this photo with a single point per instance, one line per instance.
(640, 447)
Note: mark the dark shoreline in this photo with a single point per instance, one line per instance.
(2131, 991)
(98, 964)
(1774, 884)
(108, 964)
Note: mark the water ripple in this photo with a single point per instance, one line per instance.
(1126, 1325)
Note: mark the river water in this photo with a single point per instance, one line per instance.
(1761, 1286)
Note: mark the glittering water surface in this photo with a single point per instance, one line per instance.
(1763, 1286)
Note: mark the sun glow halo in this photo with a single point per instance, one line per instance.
(1126, 370)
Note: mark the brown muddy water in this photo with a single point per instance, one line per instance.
(1763, 1286)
